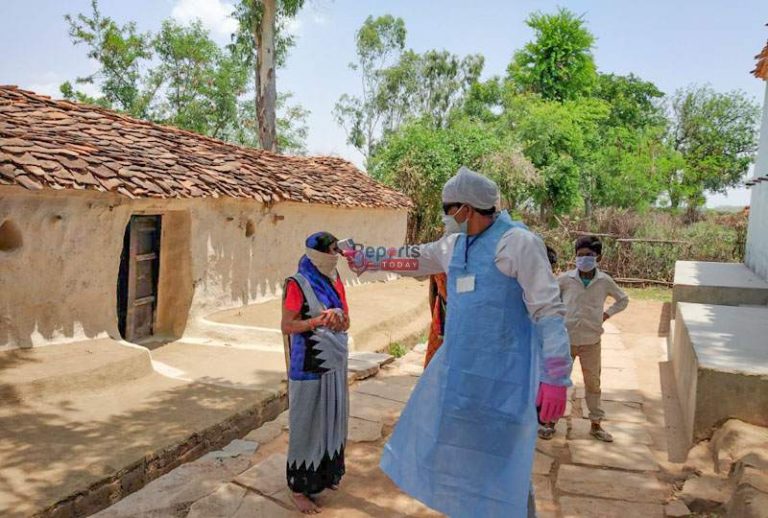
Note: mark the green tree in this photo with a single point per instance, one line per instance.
(629, 168)
(558, 64)
(202, 82)
(634, 103)
(121, 52)
(180, 77)
(557, 138)
(379, 43)
(430, 85)
(627, 152)
(484, 100)
(401, 85)
(418, 159)
(715, 136)
(292, 127)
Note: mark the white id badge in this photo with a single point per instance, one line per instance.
(465, 283)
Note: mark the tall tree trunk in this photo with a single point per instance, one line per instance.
(256, 32)
(266, 87)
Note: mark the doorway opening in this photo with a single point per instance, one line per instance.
(137, 284)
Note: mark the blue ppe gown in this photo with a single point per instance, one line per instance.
(465, 441)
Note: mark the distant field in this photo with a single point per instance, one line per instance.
(659, 293)
(727, 208)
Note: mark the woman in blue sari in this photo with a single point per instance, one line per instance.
(316, 316)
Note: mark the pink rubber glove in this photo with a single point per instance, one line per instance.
(551, 399)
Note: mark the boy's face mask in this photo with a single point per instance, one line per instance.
(586, 263)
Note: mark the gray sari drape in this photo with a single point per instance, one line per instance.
(319, 409)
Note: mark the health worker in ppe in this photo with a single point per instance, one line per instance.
(464, 444)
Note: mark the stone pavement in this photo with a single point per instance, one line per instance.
(573, 475)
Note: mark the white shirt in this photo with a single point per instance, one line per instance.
(520, 254)
(584, 318)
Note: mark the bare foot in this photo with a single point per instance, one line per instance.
(305, 504)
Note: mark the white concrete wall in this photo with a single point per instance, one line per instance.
(757, 236)
(61, 285)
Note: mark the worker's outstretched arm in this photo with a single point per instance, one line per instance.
(412, 261)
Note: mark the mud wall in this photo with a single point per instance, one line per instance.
(242, 252)
(60, 257)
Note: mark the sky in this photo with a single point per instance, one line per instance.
(673, 43)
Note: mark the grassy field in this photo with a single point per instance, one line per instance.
(659, 293)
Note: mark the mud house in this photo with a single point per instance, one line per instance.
(117, 227)
(718, 348)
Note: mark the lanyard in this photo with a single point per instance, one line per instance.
(471, 241)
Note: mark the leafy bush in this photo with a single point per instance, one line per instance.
(715, 237)
(397, 349)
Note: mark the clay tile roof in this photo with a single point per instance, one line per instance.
(52, 144)
(761, 70)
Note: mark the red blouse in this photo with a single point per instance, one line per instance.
(294, 298)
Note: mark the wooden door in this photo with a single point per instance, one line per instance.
(137, 283)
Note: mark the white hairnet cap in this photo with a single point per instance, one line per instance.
(471, 188)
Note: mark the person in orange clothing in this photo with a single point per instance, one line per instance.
(437, 301)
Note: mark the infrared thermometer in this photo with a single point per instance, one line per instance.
(346, 244)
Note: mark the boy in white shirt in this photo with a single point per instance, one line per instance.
(584, 291)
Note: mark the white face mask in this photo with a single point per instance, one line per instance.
(452, 226)
(325, 263)
(586, 263)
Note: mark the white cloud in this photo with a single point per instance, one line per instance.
(216, 15)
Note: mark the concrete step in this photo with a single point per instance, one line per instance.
(381, 313)
(233, 367)
(42, 372)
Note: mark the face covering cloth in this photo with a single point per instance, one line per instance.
(325, 263)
